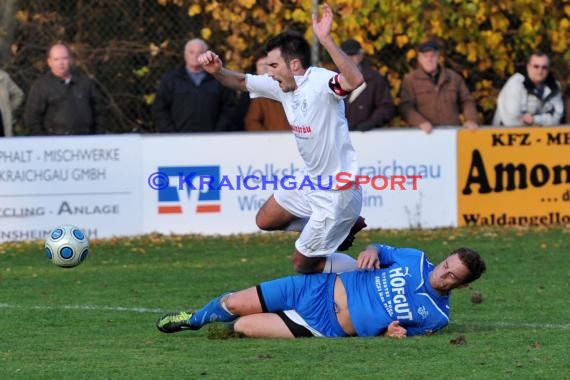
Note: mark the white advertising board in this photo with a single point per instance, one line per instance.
(88, 181)
(171, 162)
(410, 152)
(130, 184)
(175, 201)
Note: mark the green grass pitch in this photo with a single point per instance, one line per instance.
(96, 321)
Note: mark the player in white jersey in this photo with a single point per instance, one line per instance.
(399, 293)
(328, 218)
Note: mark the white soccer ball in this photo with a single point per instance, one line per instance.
(66, 246)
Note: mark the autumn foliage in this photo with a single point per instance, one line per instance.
(484, 40)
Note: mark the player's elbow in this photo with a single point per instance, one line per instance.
(242, 85)
(359, 80)
(356, 81)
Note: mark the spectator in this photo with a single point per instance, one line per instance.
(191, 100)
(265, 114)
(531, 97)
(63, 101)
(370, 105)
(433, 95)
(567, 104)
(241, 108)
(11, 97)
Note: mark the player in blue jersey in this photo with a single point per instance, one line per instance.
(396, 292)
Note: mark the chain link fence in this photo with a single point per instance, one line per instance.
(125, 46)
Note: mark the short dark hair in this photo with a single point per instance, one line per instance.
(292, 45)
(257, 55)
(473, 261)
(537, 53)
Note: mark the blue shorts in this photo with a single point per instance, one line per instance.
(311, 296)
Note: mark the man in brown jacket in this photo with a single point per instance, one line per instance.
(433, 95)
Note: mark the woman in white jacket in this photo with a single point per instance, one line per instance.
(532, 97)
(11, 97)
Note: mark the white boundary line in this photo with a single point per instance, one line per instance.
(84, 307)
(497, 325)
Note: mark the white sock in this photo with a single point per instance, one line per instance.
(339, 262)
(297, 225)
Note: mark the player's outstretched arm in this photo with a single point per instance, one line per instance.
(212, 63)
(350, 75)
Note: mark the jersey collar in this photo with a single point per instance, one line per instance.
(431, 291)
(300, 79)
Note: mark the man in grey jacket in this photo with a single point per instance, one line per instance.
(11, 97)
(531, 97)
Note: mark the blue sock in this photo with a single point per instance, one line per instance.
(212, 312)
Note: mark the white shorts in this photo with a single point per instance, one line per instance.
(331, 213)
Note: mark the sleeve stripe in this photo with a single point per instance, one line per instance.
(334, 85)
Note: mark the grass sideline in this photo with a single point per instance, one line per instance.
(96, 321)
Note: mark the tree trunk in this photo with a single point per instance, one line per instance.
(7, 28)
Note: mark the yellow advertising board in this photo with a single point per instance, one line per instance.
(513, 176)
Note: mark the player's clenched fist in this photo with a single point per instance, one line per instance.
(210, 62)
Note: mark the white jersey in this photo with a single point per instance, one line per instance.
(316, 118)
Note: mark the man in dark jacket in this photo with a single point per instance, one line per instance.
(370, 105)
(63, 102)
(191, 100)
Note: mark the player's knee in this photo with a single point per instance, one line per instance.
(302, 264)
(230, 304)
(266, 223)
(244, 327)
(262, 222)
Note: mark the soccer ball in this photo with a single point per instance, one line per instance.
(66, 246)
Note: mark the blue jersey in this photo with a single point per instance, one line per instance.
(398, 291)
